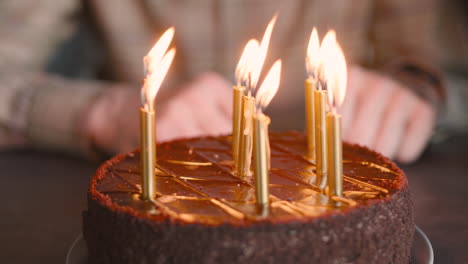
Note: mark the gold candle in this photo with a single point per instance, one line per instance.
(245, 146)
(238, 92)
(239, 140)
(320, 97)
(265, 94)
(335, 155)
(248, 71)
(334, 72)
(268, 147)
(148, 152)
(310, 117)
(261, 140)
(157, 63)
(312, 63)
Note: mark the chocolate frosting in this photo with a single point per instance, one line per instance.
(195, 183)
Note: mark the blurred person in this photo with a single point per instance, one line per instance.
(395, 89)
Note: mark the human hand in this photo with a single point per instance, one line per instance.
(112, 121)
(383, 115)
(203, 107)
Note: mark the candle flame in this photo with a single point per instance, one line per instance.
(246, 61)
(334, 70)
(269, 87)
(157, 63)
(325, 53)
(156, 53)
(261, 54)
(154, 80)
(313, 54)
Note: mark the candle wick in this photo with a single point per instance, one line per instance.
(333, 106)
(143, 97)
(314, 73)
(322, 85)
(249, 81)
(259, 109)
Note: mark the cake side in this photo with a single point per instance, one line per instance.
(380, 234)
(373, 224)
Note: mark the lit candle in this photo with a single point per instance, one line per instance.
(156, 53)
(245, 145)
(320, 106)
(335, 76)
(264, 95)
(261, 140)
(320, 109)
(312, 62)
(238, 92)
(242, 75)
(335, 155)
(157, 63)
(254, 67)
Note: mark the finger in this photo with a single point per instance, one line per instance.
(394, 123)
(221, 128)
(371, 106)
(178, 122)
(355, 82)
(207, 115)
(186, 120)
(418, 132)
(127, 105)
(163, 130)
(224, 101)
(213, 122)
(219, 98)
(224, 126)
(216, 88)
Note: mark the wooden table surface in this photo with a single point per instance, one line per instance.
(43, 196)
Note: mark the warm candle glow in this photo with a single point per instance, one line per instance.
(245, 66)
(261, 53)
(157, 63)
(154, 80)
(156, 53)
(248, 72)
(313, 54)
(333, 74)
(333, 69)
(269, 87)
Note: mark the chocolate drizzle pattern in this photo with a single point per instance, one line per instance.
(195, 182)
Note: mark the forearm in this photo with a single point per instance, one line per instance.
(403, 39)
(425, 80)
(47, 112)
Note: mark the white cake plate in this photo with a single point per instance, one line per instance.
(421, 252)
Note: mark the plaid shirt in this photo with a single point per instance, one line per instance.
(395, 37)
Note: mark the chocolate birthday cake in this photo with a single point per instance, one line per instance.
(204, 213)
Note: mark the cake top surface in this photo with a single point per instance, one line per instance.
(195, 183)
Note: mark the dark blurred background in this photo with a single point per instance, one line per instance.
(44, 192)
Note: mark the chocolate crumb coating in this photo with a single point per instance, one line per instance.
(203, 213)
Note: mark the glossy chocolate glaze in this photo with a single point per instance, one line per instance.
(195, 182)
